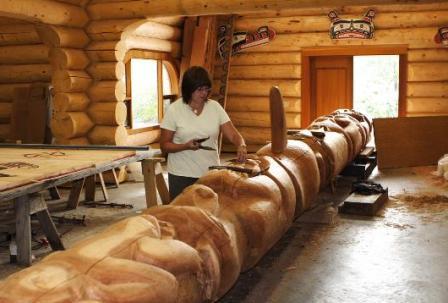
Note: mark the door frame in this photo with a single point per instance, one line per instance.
(351, 50)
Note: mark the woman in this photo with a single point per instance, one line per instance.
(188, 120)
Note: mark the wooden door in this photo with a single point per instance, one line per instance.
(331, 84)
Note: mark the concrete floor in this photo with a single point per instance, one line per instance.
(400, 255)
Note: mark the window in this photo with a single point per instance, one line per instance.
(151, 84)
(375, 85)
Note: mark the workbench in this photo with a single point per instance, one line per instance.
(26, 171)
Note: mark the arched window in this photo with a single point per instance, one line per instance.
(151, 84)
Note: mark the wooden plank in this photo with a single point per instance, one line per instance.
(410, 141)
(366, 205)
(90, 188)
(75, 193)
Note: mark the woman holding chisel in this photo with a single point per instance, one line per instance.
(190, 131)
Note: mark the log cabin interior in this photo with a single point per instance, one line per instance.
(341, 200)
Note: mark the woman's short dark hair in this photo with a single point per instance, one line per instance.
(193, 78)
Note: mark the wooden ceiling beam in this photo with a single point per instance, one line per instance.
(144, 8)
(44, 11)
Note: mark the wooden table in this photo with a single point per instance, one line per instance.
(25, 172)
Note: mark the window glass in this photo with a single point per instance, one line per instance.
(144, 93)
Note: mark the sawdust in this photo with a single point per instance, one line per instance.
(429, 207)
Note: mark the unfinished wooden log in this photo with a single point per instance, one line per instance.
(157, 30)
(303, 24)
(68, 58)
(46, 11)
(5, 110)
(59, 36)
(70, 102)
(18, 34)
(154, 44)
(415, 38)
(108, 135)
(24, 54)
(7, 91)
(108, 113)
(255, 135)
(107, 91)
(71, 125)
(262, 119)
(5, 131)
(350, 9)
(289, 88)
(73, 141)
(261, 104)
(107, 70)
(289, 71)
(428, 55)
(431, 71)
(109, 29)
(25, 73)
(70, 81)
(143, 138)
(427, 105)
(144, 8)
(265, 58)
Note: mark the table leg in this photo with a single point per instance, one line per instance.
(90, 187)
(75, 192)
(148, 168)
(49, 229)
(23, 230)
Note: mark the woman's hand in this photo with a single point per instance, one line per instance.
(241, 153)
(192, 145)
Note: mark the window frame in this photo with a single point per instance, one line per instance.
(163, 59)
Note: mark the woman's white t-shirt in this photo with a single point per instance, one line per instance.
(187, 126)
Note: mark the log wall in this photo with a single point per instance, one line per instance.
(253, 72)
(111, 39)
(23, 60)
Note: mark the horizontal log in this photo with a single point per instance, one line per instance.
(7, 91)
(5, 110)
(177, 21)
(427, 105)
(154, 44)
(107, 91)
(71, 81)
(70, 102)
(19, 34)
(107, 70)
(25, 73)
(46, 11)
(143, 138)
(289, 71)
(66, 37)
(260, 88)
(68, 58)
(427, 89)
(5, 131)
(108, 135)
(315, 10)
(144, 8)
(113, 29)
(108, 113)
(73, 141)
(71, 125)
(105, 55)
(250, 104)
(415, 38)
(428, 55)
(265, 58)
(24, 54)
(437, 71)
(227, 147)
(261, 119)
(304, 24)
(255, 135)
